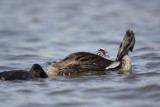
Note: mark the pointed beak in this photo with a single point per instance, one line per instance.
(107, 55)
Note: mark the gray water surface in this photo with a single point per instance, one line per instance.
(42, 31)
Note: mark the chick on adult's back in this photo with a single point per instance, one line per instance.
(85, 61)
(78, 62)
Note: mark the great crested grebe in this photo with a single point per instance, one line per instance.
(85, 61)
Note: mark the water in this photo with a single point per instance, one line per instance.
(41, 31)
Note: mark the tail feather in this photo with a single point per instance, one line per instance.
(126, 45)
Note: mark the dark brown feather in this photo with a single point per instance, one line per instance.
(80, 62)
(127, 44)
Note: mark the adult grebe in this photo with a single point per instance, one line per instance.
(85, 61)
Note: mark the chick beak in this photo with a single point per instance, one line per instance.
(107, 55)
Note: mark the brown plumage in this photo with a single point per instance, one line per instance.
(78, 62)
(85, 61)
(127, 44)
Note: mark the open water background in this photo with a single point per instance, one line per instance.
(42, 31)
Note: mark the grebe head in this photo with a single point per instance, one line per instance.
(102, 52)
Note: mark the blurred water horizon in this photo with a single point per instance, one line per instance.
(42, 31)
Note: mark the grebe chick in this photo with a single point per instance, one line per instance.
(102, 52)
